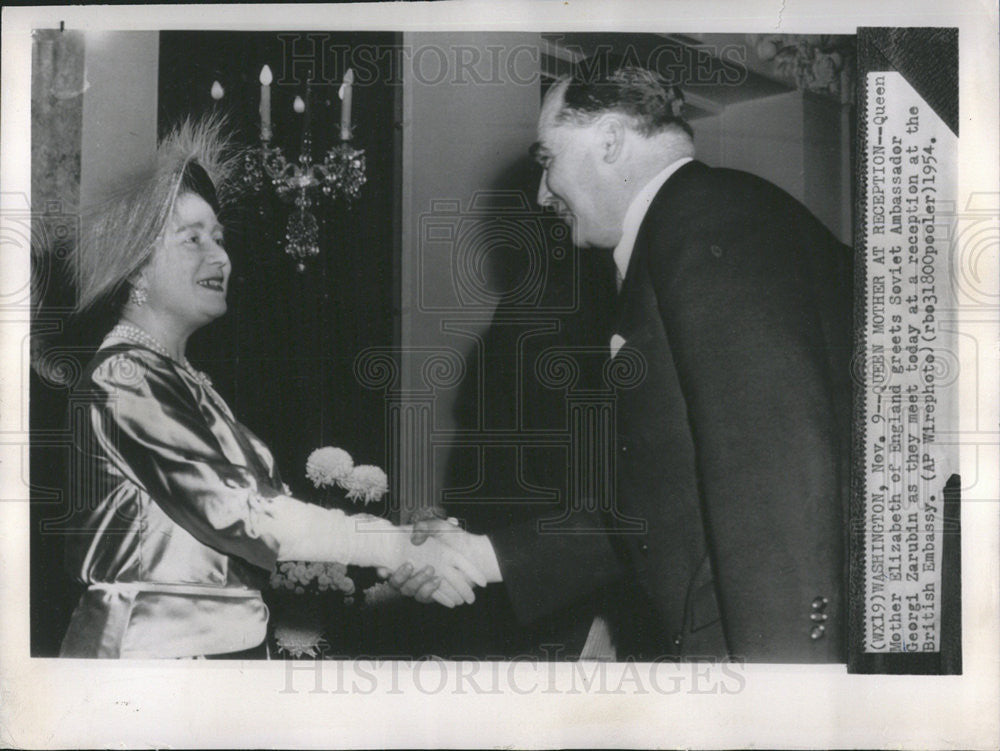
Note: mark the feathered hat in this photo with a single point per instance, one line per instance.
(120, 233)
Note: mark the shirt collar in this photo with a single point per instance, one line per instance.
(637, 212)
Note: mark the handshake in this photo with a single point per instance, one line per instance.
(442, 562)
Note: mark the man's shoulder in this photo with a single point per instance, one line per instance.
(712, 209)
(698, 196)
(696, 179)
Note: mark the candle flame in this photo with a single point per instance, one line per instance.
(265, 76)
(298, 105)
(217, 91)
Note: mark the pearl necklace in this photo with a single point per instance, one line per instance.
(137, 335)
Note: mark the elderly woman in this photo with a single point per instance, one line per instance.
(182, 511)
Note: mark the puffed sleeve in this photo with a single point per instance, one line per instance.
(149, 423)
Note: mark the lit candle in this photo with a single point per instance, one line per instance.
(298, 105)
(265, 103)
(217, 91)
(345, 110)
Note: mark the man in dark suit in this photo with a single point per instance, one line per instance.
(733, 451)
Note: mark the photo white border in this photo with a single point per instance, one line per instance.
(50, 703)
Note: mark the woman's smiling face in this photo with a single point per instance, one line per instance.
(188, 275)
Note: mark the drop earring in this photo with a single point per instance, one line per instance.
(137, 295)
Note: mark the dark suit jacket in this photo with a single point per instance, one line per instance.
(734, 449)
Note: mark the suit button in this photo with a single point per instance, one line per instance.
(817, 632)
(819, 603)
(643, 548)
(624, 449)
(677, 640)
(818, 617)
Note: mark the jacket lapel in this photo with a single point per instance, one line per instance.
(632, 312)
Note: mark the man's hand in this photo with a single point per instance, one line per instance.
(447, 531)
(457, 573)
(423, 586)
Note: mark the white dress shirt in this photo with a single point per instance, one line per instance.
(637, 212)
(600, 644)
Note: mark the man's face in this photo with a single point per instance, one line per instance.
(573, 179)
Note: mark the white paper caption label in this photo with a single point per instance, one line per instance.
(911, 374)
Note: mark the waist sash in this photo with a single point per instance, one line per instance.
(154, 620)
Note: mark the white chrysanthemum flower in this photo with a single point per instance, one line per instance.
(366, 483)
(328, 465)
(299, 640)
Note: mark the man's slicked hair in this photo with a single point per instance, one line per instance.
(639, 94)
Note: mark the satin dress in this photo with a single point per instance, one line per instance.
(168, 491)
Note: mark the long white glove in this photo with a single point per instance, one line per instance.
(306, 532)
